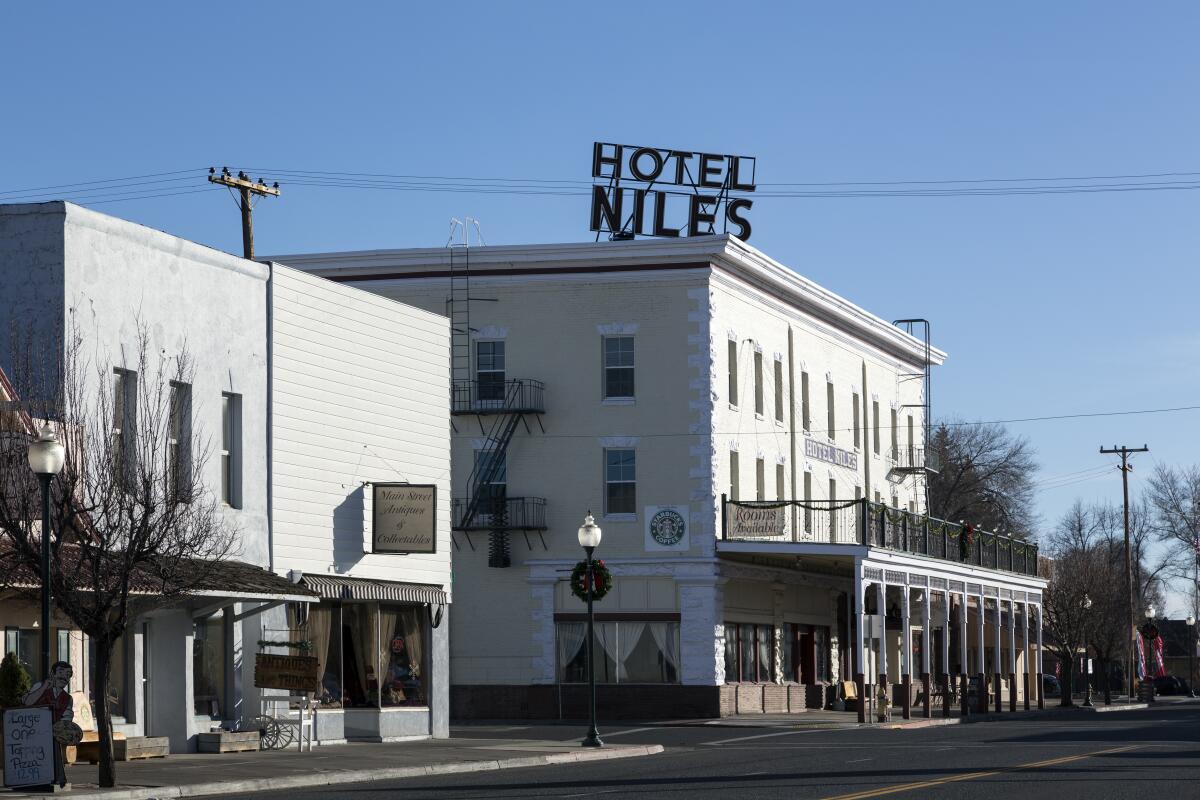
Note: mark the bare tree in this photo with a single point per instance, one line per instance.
(134, 528)
(1174, 497)
(985, 477)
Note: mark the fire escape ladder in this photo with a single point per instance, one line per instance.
(460, 313)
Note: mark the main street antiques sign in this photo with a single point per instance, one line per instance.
(296, 673)
(830, 454)
(403, 518)
(655, 191)
(750, 522)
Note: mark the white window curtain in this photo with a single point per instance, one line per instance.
(606, 637)
(628, 636)
(571, 636)
(666, 636)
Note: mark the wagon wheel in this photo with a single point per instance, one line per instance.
(287, 734)
(269, 731)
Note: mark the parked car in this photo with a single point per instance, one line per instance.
(1051, 687)
(1168, 684)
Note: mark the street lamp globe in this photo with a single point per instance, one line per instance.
(589, 533)
(1150, 612)
(1087, 601)
(46, 455)
(1191, 620)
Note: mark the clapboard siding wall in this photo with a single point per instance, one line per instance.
(359, 395)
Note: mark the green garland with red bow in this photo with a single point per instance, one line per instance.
(601, 575)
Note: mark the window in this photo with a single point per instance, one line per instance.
(733, 376)
(749, 652)
(895, 435)
(26, 643)
(355, 642)
(831, 420)
(208, 666)
(179, 442)
(618, 367)
(805, 653)
(778, 390)
(832, 515)
(494, 492)
(875, 414)
(620, 481)
(912, 460)
(760, 479)
(804, 410)
(124, 423)
(807, 501)
(758, 383)
(489, 370)
(624, 651)
(857, 422)
(779, 476)
(231, 449)
(734, 478)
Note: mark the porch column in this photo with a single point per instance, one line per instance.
(1025, 649)
(962, 651)
(926, 646)
(946, 655)
(1041, 695)
(980, 657)
(999, 653)
(1012, 655)
(881, 615)
(860, 630)
(905, 652)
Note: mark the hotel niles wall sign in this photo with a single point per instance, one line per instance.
(403, 518)
(655, 191)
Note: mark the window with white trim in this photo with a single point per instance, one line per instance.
(618, 367)
(231, 449)
(734, 478)
(179, 438)
(760, 479)
(805, 411)
(489, 369)
(779, 481)
(620, 481)
(778, 390)
(758, 383)
(831, 417)
(733, 372)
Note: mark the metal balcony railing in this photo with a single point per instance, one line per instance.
(518, 514)
(514, 396)
(912, 459)
(860, 522)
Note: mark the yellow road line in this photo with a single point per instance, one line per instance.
(970, 776)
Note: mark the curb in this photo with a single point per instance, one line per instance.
(1048, 713)
(333, 778)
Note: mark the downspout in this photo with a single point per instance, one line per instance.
(270, 417)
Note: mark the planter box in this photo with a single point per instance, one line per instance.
(796, 697)
(774, 699)
(227, 741)
(749, 698)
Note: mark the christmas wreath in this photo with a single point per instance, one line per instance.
(579, 580)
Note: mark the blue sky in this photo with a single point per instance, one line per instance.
(1047, 304)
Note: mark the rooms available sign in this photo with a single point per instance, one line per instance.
(403, 518)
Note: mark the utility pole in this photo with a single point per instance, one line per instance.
(1129, 634)
(246, 188)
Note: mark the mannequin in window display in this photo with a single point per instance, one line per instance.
(403, 682)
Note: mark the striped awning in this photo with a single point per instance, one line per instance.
(331, 587)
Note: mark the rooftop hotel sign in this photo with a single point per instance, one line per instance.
(830, 454)
(655, 191)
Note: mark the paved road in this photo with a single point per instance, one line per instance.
(1127, 755)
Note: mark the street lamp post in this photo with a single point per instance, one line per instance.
(46, 457)
(1191, 632)
(1087, 662)
(589, 540)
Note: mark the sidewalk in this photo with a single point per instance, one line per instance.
(195, 775)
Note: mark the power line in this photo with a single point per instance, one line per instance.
(105, 180)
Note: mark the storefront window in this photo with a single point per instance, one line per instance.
(359, 653)
(748, 652)
(116, 677)
(632, 651)
(402, 652)
(208, 666)
(321, 628)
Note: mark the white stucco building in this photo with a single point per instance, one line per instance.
(646, 381)
(310, 393)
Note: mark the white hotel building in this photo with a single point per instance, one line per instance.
(641, 378)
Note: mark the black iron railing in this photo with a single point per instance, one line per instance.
(862, 522)
(518, 514)
(483, 396)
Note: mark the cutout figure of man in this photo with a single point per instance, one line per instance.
(56, 693)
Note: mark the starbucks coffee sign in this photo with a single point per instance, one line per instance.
(667, 528)
(404, 518)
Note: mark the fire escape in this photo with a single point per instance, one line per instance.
(919, 461)
(499, 406)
